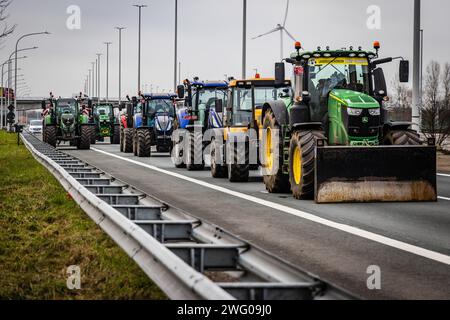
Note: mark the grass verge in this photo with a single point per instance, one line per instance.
(43, 231)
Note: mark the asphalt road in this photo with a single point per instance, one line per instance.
(410, 242)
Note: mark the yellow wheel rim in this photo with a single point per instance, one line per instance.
(297, 165)
(269, 154)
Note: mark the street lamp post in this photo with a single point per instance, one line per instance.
(98, 75)
(244, 40)
(120, 63)
(93, 78)
(89, 83)
(139, 6)
(175, 64)
(416, 67)
(15, 67)
(107, 70)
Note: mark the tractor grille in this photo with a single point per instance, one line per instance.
(363, 125)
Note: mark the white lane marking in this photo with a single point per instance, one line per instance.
(443, 198)
(443, 175)
(436, 256)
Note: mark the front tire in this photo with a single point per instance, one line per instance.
(238, 172)
(115, 139)
(50, 135)
(84, 142)
(218, 168)
(143, 143)
(302, 163)
(195, 154)
(402, 138)
(128, 140)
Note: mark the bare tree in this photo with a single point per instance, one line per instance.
(5, 29)
(402, 96)
(436, 108)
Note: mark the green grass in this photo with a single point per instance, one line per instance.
(43, 231)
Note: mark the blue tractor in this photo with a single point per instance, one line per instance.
(199, 109)
(153, 123)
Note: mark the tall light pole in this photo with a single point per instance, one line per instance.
(175, 63)
(120, 62)
(15, 73)
(244, 40)
(416, 68)
(93, 78)
(98, 75)
(139, 6)
(89, 84)
(107, 70)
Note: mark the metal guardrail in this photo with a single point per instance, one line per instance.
(186, 257)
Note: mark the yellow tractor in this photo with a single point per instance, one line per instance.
(234, 149)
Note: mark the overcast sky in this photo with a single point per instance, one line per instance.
(210, 37)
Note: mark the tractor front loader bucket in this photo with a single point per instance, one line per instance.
(375, 174)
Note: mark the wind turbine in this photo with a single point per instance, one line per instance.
(281, 28)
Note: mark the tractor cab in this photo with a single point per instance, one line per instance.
(247, 97)
(155, 110)
(203, 104)
(344, 90)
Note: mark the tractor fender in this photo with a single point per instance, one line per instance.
(279, 109)
(397, 125)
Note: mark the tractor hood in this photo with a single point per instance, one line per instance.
(163, 122)
(354, 99)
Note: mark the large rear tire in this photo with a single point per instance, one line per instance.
(276, 182)
(301, 162)
(195, 161)
(128, 140)
(115, 138)
(50, 135)
(402, 138)
(93, 133)
(143, 143)
(84, 142)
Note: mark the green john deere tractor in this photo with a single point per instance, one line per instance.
(64, 121)
(106, 123)
(335, 143)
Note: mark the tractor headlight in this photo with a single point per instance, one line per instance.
(374, 112)
(354, 112)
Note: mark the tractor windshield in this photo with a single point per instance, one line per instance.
(208, 97)
(66, 109)
(161, 106)
(104, 110)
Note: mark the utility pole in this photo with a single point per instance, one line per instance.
(120, 63)
(89, 84)
(98, 76)
(139, 6)
(176, 48)
(107, 70)
(416, 68)
(93, 78)
(244, 40)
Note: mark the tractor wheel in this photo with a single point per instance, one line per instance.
(402, 137)
(218, 167)
(178, 155)
(93, 134)
(238, 172)
(122, 142)
(44, 138)
(115, 138)
(276, 182)
(128, 140)
(143, 144)
(50, 135)
(135, 143)
(84, 142)
(195, 161)
(301, 162)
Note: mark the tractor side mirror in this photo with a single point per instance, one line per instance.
(43, 105)
(90, 103)
(219, 105)
(180, 91)
(280, 73)
(121, 106)
(404, 71)
(379, 82)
